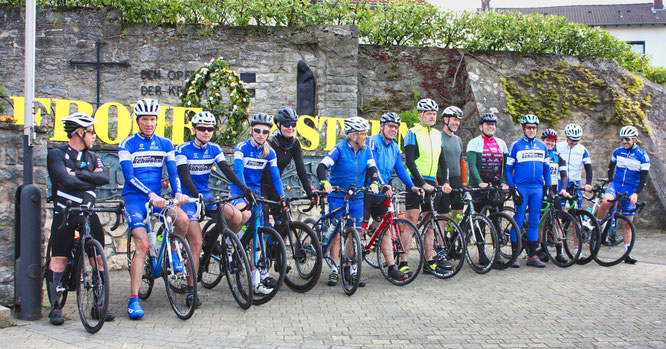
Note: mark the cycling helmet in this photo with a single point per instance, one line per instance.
(453, 111)
(628, 131)
(529, 119)
(356, 124)
(427, 104)
(286, 115)
(488, 117)
(261, 119)
(147, 107)
(390, 117)
(549, 133)
(573, 131)
(204, 117)
(76, 121)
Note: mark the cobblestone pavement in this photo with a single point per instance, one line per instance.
(581, 306)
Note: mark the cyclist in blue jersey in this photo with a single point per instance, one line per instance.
(251, 157)
(633, 165)
(195, 160)
(388, 159)
(528, 170)
(142, 157)
(351, 163)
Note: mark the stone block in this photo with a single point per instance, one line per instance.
(117, 262)
(5, 316)
(11, 156)
(6, 254)
(120, 245)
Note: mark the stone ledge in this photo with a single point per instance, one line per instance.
(5, 316)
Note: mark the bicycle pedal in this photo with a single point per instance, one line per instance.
(60, 289)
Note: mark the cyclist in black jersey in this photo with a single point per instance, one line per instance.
(74, 173)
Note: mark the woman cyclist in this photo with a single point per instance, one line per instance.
(251, 157)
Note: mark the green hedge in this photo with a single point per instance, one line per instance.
(402, 23)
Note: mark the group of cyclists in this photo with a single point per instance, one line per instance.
(433, 159)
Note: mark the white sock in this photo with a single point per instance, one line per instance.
(263, 274)
(334, 269)
(626, 247)
(256, 278)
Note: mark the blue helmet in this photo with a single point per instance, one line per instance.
(529, 119)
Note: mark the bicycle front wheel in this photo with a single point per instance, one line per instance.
(210, 267)
(508, 250)
(613, 250)
(304, 258)
(481, 243)
(237, 269)
(590, 234)
(350, 260)
(147, 280)
(400, 243)
(179, 276)
(271, 263)
(448, 244)
(560, 232)
(92, 289)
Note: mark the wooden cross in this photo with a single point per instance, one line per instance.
(98, 64)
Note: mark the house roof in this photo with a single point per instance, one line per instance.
(601, 15)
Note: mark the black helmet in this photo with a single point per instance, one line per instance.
(390, 117)
(285, 115)
(487, 117)
(261, 119)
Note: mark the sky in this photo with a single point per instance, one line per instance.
(472, 5)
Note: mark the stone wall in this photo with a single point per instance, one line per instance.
(11, 177)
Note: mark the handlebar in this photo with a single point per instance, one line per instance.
(86, 210)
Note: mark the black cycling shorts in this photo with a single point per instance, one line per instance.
(451, 200)
(374, 206)
(61, 240)
(413, 200)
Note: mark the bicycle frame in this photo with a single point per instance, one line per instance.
(156, 262)
(387, 220)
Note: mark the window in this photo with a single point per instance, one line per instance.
(637, 46)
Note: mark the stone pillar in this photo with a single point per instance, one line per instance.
(11, 177)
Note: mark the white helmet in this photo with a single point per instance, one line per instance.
(628, 131)
(427, 104)
(147, 107)
(356, 124)
(77, 120)
(573, 131)
(203, 117)
(453, 111)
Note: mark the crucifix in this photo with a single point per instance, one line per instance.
(98, 64)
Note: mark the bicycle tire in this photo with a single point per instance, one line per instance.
(476, 245)
(210, 267)
(92, 288)
(237, 269)
(304, 247)
(570, 232)
(449, 244)
(66, 276)
(272, 260)
(400, 247)
(147, 279)
(175, 281)
(350, 275)
(508, 250)
(612, 246)
(590, 235)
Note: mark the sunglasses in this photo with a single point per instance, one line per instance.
(530, 127)
(261, 131)
(289, 124)
(205, 129)
(625, 139)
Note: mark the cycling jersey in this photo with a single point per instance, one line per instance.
(453, 148)
(576, 157)
(486, 158)
(142, 160)
(556, 166)
(526, 163)
(249, 166)
(286, 149)
(388, 158)
(200, 161)
(629, 164)
(428, 144)
(348, 167)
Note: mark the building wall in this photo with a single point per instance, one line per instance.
(653, 35)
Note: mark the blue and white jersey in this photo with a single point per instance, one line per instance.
(249, 166)
(576, 158)
(526, 163)
(388, 158)
(630, 163)
(348, 166)
(556, 165)
(142, 160)
(200, 161)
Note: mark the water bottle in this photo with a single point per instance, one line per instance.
(586, 220)
(328, 233)
(458, 218)
(152, 239)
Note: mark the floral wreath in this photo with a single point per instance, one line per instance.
(212, 78)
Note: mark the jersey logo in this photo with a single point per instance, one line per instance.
(530, 155)
(256, 164)
(148, 161)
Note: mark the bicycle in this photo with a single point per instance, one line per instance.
(160, 263)
(223, 253)
(350, 242)
(448, 239)
(503, 224)
(558, 231)
(397, 247)
(83, 274)
(613, 250)
(590, 232)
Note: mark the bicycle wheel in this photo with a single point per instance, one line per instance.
(481, 243)
(147, 280)
(271, 263)
(612, 250)
(176, 281)
(447, 242)
(67, 274)
(350, 260)
(590, 234)
(370, 254)
(508, 250)
(400, 242)
(210, 266)
(236, 267)
(559, 238)
(304, 258)
(92, 289)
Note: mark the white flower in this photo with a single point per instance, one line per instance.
(189, 103)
